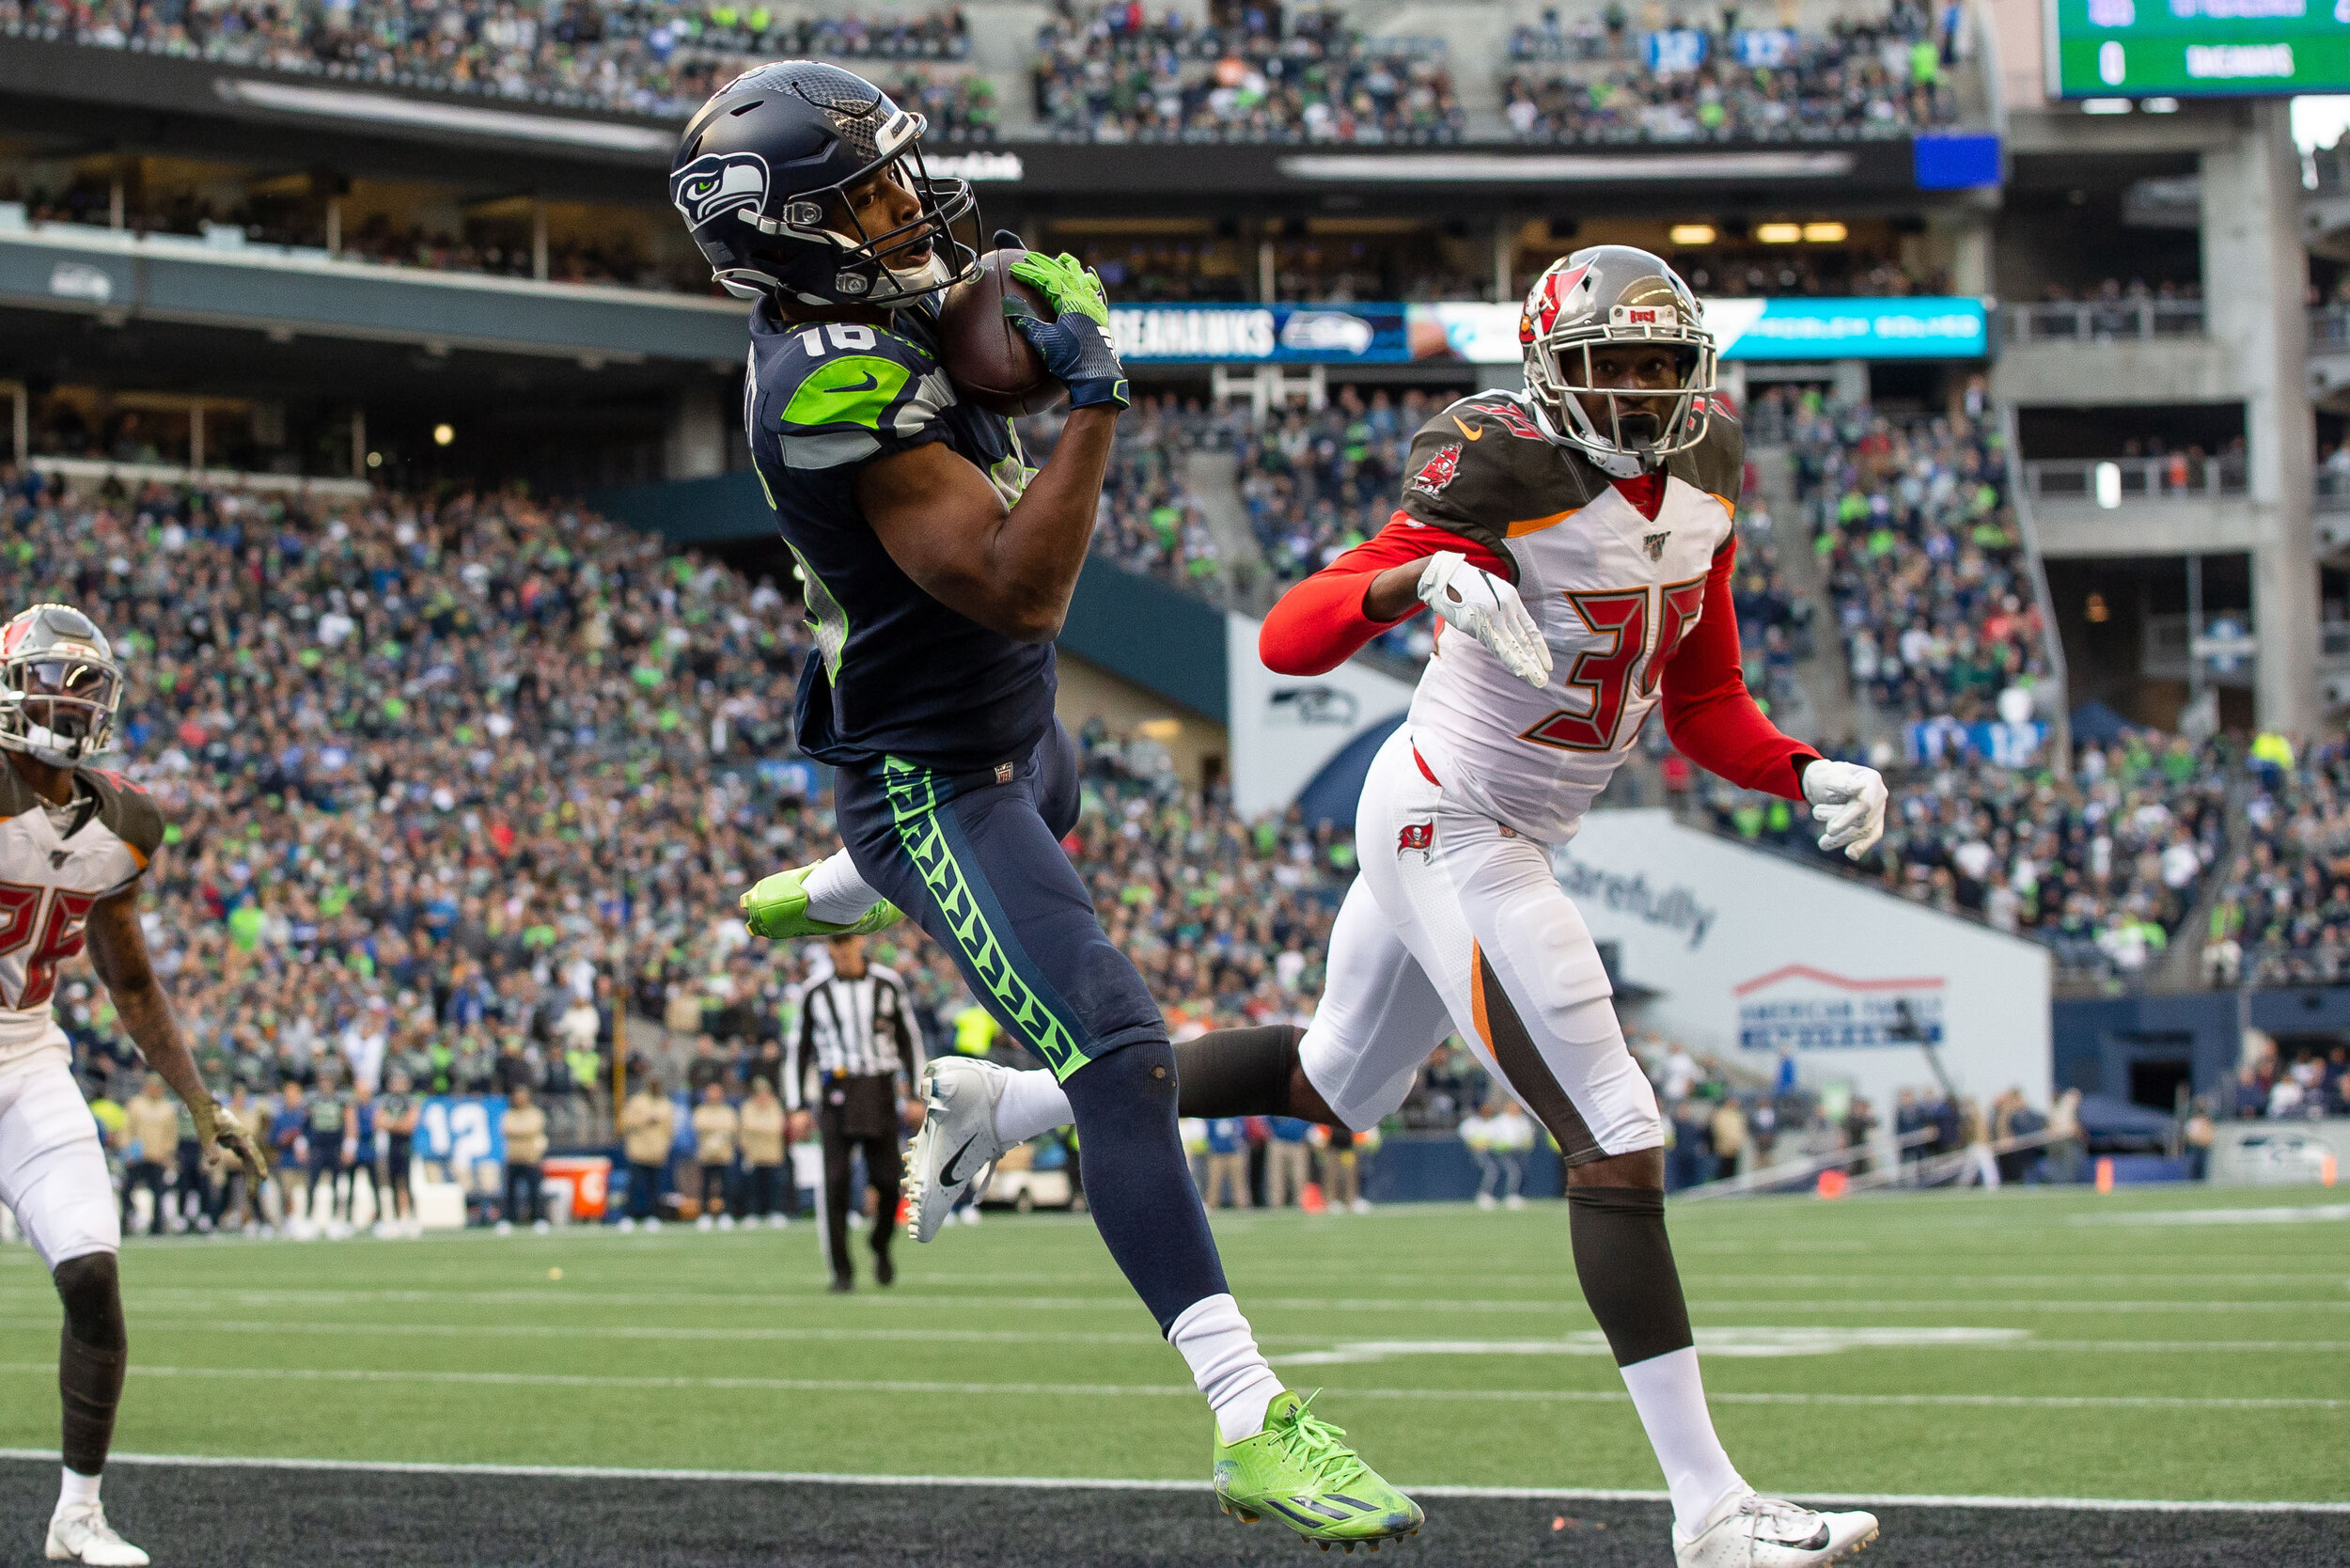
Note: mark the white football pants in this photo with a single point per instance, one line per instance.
(1458, 923)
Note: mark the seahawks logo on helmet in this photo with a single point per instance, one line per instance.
(717, 184)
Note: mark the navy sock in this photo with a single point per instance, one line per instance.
(1139, 1182)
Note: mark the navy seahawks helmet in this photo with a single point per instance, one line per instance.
(760, 172)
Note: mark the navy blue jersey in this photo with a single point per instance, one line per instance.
(896, 673)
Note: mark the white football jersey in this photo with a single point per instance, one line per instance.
(1613, 590)
(48, 882)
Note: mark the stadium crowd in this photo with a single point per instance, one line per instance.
(2100, 867)
(1114, 73)
(2283, 915)
(1911, 520)
(646, 56)
(1151, 519)
(440, 776)
(1880, 78)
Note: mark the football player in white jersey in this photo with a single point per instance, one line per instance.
(74, 843)
(1576, 541)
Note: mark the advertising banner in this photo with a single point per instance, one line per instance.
(1279, 333)
(2280, 1153)
(1749, 955)
(1923, 327)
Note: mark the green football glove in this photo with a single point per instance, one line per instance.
(227, 1140)
(1076, 343)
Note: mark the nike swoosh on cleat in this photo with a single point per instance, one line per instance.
(1466, 433)
(946, 1177)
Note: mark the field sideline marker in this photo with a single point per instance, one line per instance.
(1086, 1484)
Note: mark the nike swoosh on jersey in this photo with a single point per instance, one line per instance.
(946, 1177)
(1466, 433)
(870, 381)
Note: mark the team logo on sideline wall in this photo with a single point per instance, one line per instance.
(1439, 471)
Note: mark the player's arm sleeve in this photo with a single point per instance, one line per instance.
(1319, 624)
(870, 394)
(1710, 715)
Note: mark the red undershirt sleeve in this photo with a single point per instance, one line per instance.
(1319, 624)
(1710, 715)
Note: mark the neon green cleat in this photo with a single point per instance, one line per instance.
(777, 910)
(1299, 1470)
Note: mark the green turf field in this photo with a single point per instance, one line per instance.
(2022, 1343)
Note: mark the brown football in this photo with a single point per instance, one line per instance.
(985, 356)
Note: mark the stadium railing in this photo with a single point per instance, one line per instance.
(1793, 1173)
(2177, 476)
(2102, 320)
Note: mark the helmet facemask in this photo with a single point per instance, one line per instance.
(58, 704)
(1617, 429)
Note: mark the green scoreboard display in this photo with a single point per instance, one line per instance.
(2198, 48)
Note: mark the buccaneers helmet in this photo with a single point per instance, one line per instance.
(1615, 294)
(760, 172)
(59, 687)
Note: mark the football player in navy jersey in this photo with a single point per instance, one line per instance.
(937, 569)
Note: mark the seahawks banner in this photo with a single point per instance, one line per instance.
(1930, 327)
(462, 1130)
(1283, 334)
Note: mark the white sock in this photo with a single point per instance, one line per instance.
(77, 1489)
(1670, 1395)
(1032, 1103)
(1226, 1364)
(836, 894)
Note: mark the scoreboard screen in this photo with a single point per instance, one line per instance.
(2198, 48)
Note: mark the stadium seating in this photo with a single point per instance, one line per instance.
(1876, 78)
(1933, 590)
(652, 58)
(415, 756)
(1112, 73)
(2101, 868)
(2286, 903)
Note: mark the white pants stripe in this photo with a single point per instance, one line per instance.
(1458, 924)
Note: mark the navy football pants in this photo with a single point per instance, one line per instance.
(977, 859)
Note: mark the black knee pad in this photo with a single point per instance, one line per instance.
(91, 1288)
(1239, 1071)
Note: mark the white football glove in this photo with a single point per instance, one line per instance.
(1850, 800)
(1487, 608)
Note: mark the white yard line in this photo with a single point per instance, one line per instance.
(917, 1299)
(1112, 1484)
(1716, 1340)
(1160, 1390)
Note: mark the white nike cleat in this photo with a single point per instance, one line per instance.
(956, 1140)
(1751, 1531)
(79, 1533)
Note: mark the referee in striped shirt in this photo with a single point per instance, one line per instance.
(856, 1056)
